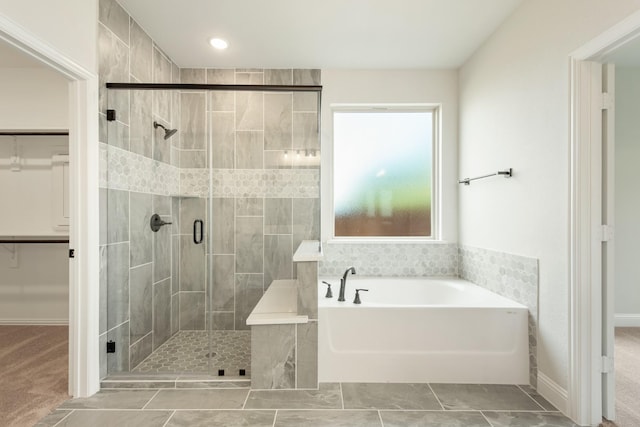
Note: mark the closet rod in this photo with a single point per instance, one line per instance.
(10, 241)
(30, 133)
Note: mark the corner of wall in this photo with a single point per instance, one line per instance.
(551, 391)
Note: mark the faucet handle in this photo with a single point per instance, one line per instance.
(357, 299)
(329, 293)
(156, 222)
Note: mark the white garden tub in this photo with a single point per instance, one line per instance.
(421, 330)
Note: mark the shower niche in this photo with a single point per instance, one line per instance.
(206, 190)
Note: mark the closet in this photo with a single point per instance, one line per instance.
(34, 199)
(34, 227)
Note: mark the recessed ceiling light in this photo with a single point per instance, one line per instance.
(218, 43)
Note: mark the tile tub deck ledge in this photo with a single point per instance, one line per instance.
(278, 305)
(309, 250)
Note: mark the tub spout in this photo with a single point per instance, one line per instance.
(343, 282)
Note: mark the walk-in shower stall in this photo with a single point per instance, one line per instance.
(206, 191)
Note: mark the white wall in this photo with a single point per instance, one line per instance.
(33, 98)
(35, 287)
(627, 202)
(514, 112)
(395, 86)
(28, 194)
(68, 26)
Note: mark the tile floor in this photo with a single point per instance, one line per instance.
(189, 351)
(333, 404)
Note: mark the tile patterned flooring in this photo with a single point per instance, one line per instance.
(187, 352)
(333, 404)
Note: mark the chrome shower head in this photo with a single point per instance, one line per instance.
(168, 133)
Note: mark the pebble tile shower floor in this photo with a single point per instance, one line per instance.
(188, 352)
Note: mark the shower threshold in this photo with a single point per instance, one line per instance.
(187, 360)
(132, 381)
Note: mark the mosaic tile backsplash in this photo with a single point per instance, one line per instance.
(392, 260)
(512, 276)
(273, 183)
(130, 171)
(124, 170)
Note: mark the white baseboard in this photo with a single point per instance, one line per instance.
(551, 391)
(627, 320)
(34, 321)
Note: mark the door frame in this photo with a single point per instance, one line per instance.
(585, 293)
(84, 269)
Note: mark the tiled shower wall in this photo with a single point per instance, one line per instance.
(265, 192)
(265, 198)
(138, 176)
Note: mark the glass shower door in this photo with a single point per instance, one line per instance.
(264, 160)
(153, 281)
(231, 181)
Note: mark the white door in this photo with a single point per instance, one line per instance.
(608, 280)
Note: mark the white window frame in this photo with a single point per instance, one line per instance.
(436, 148)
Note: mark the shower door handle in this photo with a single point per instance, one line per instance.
(198, 224)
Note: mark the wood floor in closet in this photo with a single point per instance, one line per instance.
(34, 366)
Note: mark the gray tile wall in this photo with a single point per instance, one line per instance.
(274, 367)
(153, 284)
(307, 275)
(192, 266)
(253, 238)
(307, 334)
(138, 172)
(265, 195)
(307, 362)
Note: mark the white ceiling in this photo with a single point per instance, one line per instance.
(321, 33)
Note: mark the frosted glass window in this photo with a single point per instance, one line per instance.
(383, 173)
